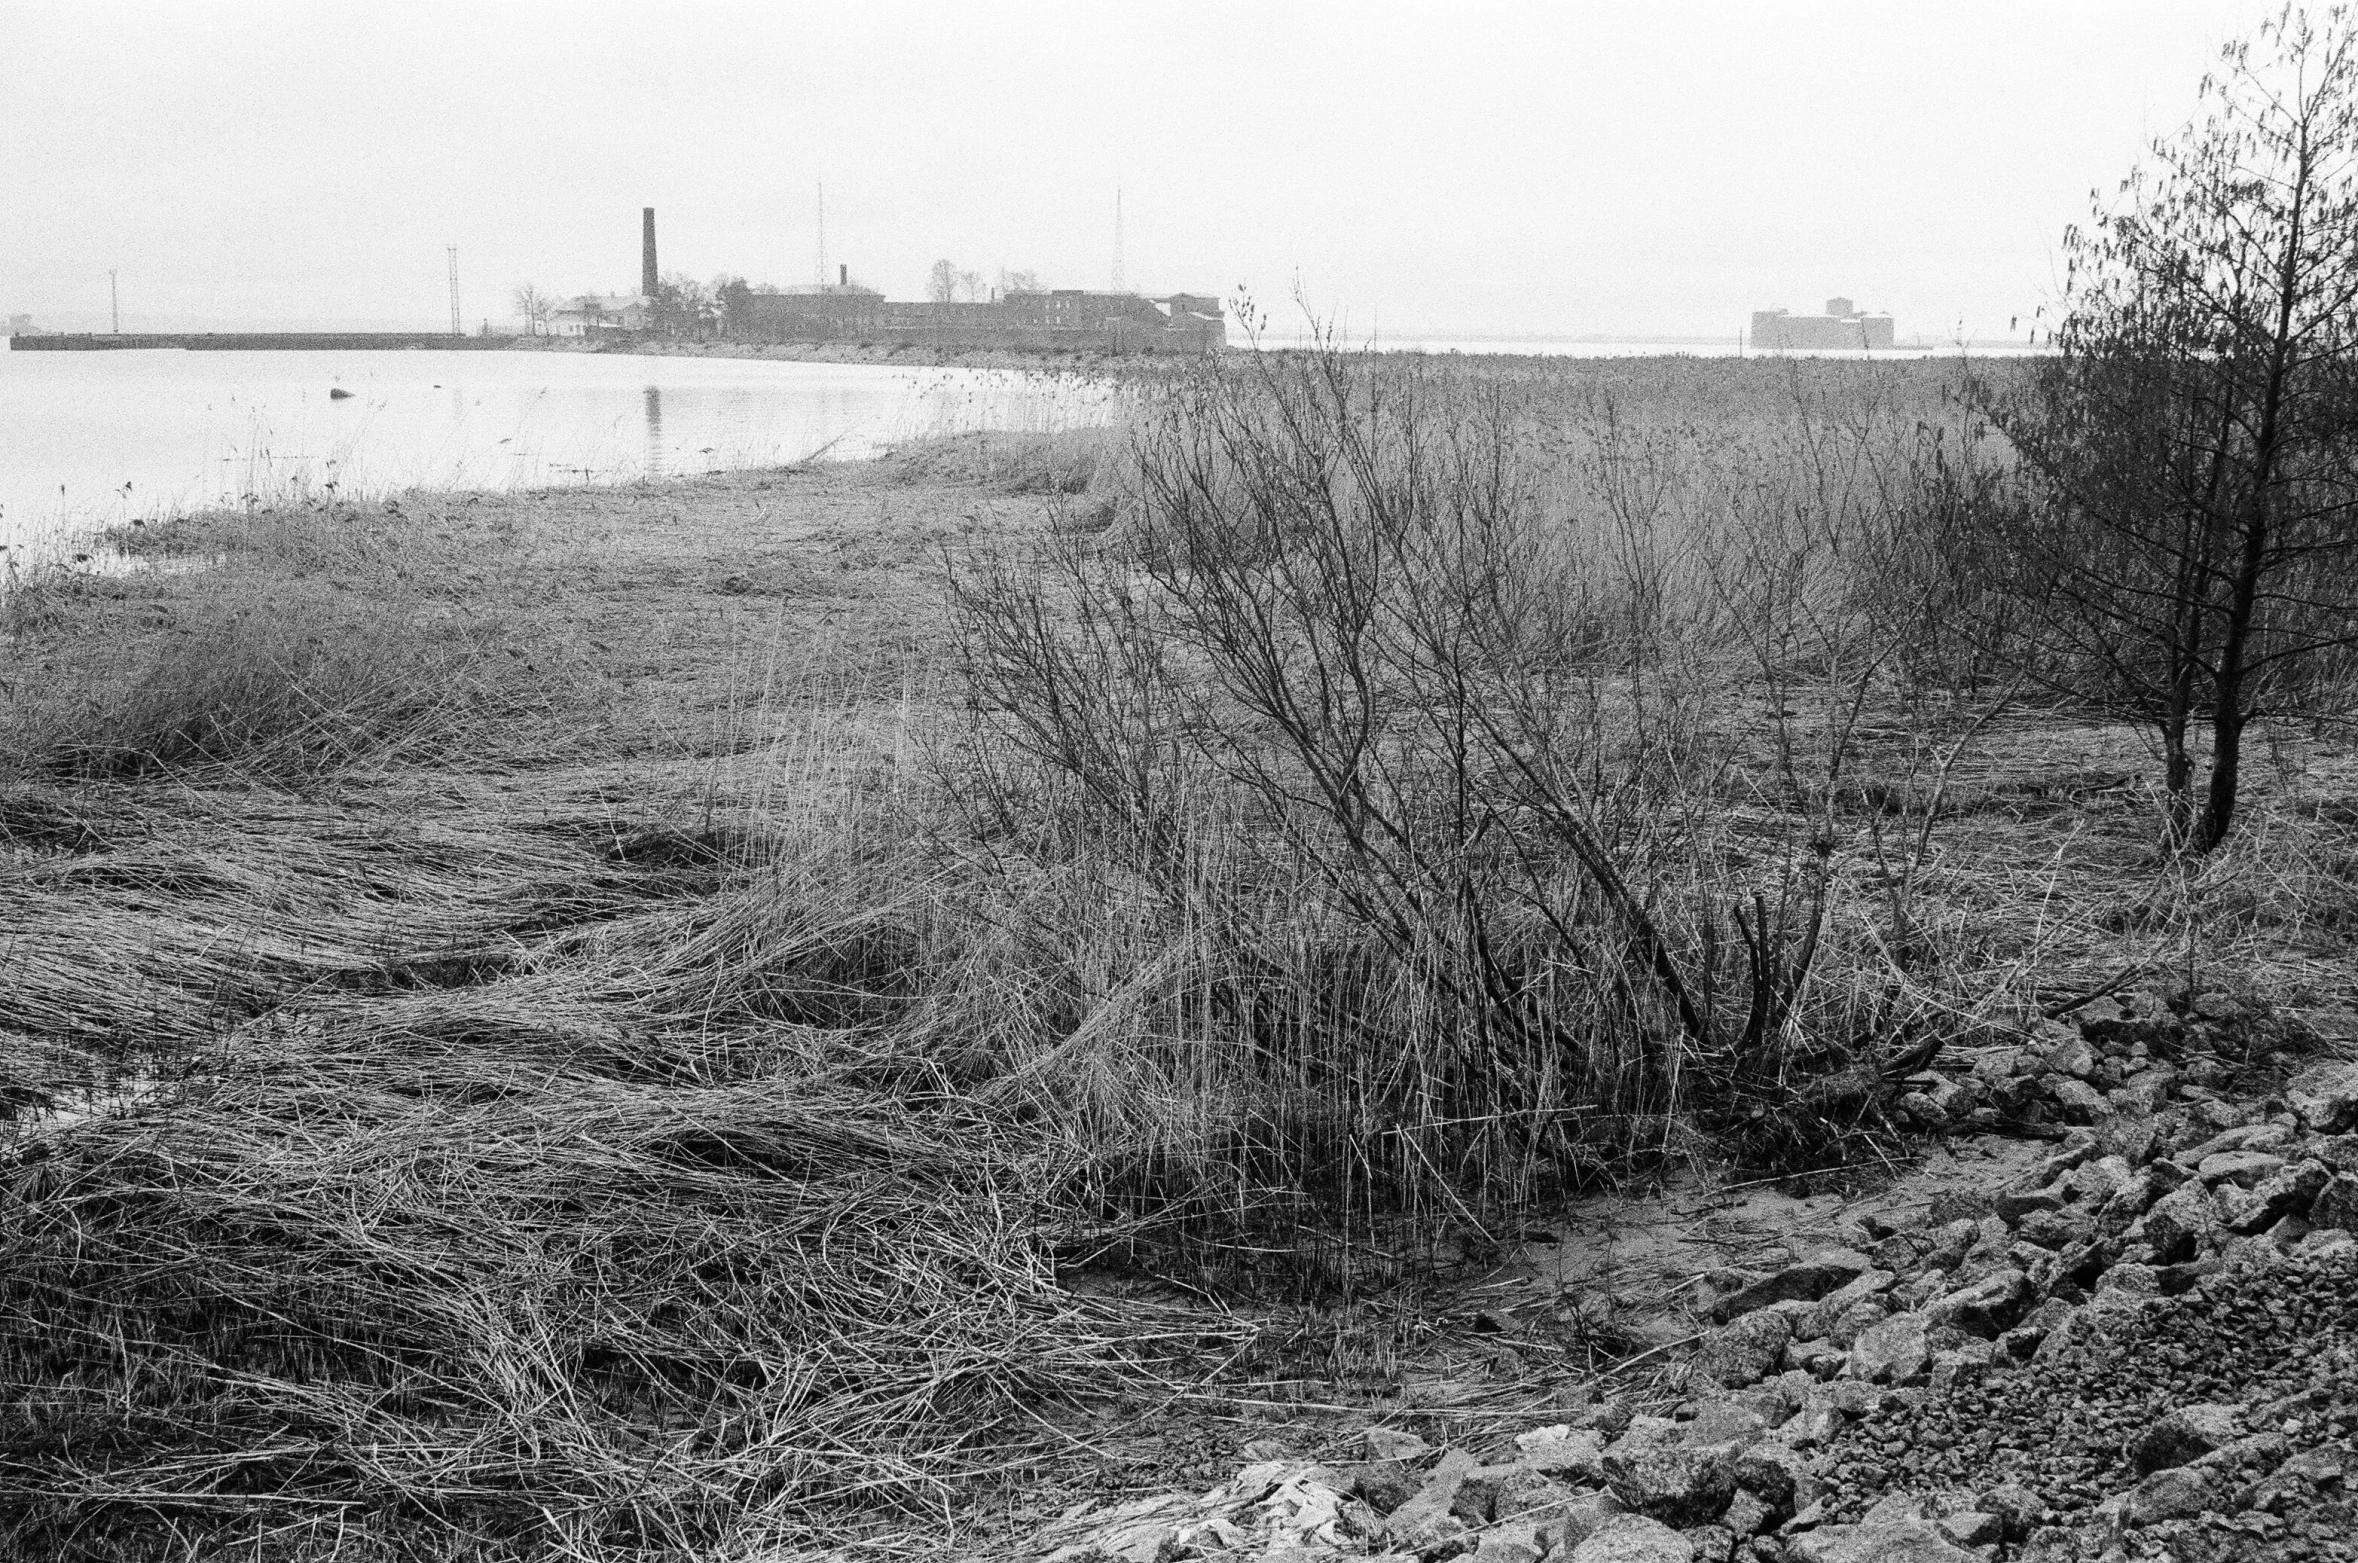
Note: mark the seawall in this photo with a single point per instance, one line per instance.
(255, 341)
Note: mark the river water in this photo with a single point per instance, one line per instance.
(88, 439)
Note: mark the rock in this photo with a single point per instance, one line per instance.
(1390, 1443)
(1578, 1520)
(1633, 1538)
(2292, 1191)
(2014, 1204)
(2242, 1168)
(1971, 1528)
(1425, 1520)
(1527, 1494)
(2145, 1092)
(1747, 1514)
(2056, 1229)
(1744, 1352)
(1891, 1352)
(1518, 1541)
(1776, 1475)
(1986, 1308)
(1899, 1541)
(1577, 1454)
(2077, 1100)
(2018, 1509)
(2067, 1054)
(2325, 1098)
(1680, 1485)
(2180, 1224)
(1385, 1484)
(2185, 1435)
(1724, 1422)
(2023, 1340)
(2178, 1493)
(1806, 1281)
(2336, 1204)
(1712, 1543)
(2339, 1152)
(1486, 1486)
(1866, 1284)
(2129, 1280)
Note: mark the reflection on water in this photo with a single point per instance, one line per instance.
(93, 438)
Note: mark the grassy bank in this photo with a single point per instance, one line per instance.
(607, 1023)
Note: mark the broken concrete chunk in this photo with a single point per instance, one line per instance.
(2076, 1100)
(2325, 1098)
(1633, 1538)
(1892, 1351)
(2242, 1168)
(2336, 1204)
(1577, 1454)
(1986, 1308)
(1425, 1519)
(1390, 1443)
(1744, 1352)
(1806, 1281)
(1901, 1541)
(1680, 1485)
(2186, 1435)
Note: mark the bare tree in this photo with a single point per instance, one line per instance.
(2190, 544)
(941, 284)
(1018, 282)
(534, 307)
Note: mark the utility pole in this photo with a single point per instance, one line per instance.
(820, 275)
(1117, 272)
(455, 328)
(114, 302)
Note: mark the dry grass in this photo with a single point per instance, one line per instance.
(575, 1026)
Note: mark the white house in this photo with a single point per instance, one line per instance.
(594, 314)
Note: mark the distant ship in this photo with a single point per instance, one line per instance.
(1842, 325)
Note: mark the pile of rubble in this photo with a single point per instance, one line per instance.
(1822, 1423)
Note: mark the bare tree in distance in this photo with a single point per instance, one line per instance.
(534, 308)
(1025, 281)
(2189, 542)
(941, 284)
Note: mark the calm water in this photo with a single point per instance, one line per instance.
(92, 438)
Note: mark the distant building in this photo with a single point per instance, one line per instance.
(595, 314)
(20, 325)
(1842, 325)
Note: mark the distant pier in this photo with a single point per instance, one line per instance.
(255, 341)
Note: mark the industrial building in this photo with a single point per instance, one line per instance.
(1066, 318)
(1841, 326)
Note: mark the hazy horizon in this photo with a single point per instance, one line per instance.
(1496, 171)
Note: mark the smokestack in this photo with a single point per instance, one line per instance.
(647, 252)
(843, 276)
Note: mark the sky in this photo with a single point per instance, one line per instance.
(1655, 169)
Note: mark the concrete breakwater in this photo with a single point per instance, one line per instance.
(255, 341)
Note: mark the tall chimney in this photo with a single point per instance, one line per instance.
(647, 252)
(843, 276)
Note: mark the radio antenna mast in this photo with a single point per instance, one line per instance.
(820, 276)
(455, 328)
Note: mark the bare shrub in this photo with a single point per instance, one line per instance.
(1414, 787)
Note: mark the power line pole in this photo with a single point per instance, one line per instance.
(114, 302)
(1117, 271)
(820, 276)
(455, 328)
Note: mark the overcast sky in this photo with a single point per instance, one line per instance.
(1544, 169)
